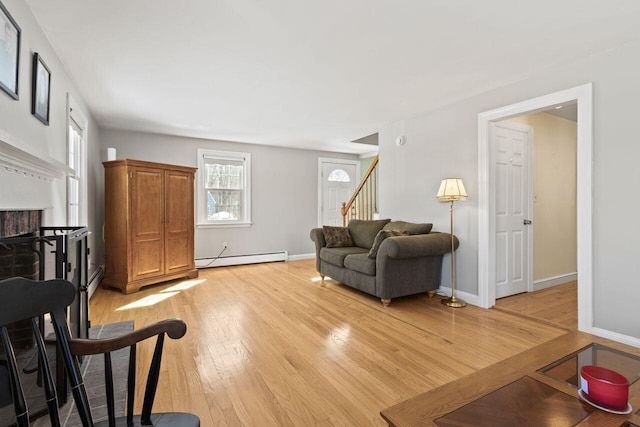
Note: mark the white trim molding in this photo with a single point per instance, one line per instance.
(550, 282)
(465, 296)
(301, 257)
(21, 158)
(486, 188)
(614, 336)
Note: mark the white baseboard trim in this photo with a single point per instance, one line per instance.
(241, 259)
(614, 336)
(301, 257)
(465, 296)
(554, 281)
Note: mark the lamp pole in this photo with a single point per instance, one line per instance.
(453, 301)
(452, 189)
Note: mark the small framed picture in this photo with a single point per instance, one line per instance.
(41, 89)
(9, 53)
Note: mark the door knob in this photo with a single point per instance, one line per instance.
(527, 222)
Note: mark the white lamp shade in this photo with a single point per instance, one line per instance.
(451, 189)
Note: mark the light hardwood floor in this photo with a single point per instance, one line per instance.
(558, 305)
(270, 345)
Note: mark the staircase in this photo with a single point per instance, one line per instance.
(364, 202)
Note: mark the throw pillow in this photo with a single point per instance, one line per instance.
(337, 237)
(383, 234)
(364, 231)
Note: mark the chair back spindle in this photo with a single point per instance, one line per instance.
(131, 384)
(108, 385)
(47, 378)
(152, 381)
(17, 393)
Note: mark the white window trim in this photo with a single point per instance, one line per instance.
(74, 113)
(201, 202)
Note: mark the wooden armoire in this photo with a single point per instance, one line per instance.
(149, 223)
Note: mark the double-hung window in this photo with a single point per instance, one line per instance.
(76, 160)
(224, 188)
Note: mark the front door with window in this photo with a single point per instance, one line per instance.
(339, 182)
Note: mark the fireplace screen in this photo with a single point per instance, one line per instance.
(50, 252)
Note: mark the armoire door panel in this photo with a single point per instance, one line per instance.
(146, 262)
(180, 220)
(179, 202)
(147, 202)
(179, 253)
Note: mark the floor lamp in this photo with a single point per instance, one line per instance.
(451, 190)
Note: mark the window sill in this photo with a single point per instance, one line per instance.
(224, 225)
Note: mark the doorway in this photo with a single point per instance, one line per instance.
(582, 95)
(337, 181)
(550, 199)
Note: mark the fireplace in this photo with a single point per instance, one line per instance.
(18, 258)
(29, 250)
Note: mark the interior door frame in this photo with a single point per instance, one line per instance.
(321, 162)
(583, 95)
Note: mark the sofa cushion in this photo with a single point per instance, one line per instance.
(361, 263)
(383, 234)
(363, 232)
(409, 227)
(336, 256)
(337, 237)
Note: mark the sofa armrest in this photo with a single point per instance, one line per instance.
(317, 235)
(416, 245)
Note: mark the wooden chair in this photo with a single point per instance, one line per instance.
(22, 299)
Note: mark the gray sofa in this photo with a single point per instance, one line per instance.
(404, 265)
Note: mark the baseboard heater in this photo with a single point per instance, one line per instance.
(241, 259)
(94, 280)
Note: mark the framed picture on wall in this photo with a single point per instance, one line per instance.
(41, 89)
(9, 53)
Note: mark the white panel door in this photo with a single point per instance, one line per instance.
(338, 185)
(511, 162)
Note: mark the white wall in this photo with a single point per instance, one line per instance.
(284, 190)
(17, 191)
(445, 143)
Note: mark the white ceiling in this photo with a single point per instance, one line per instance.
(311, 74)
(567, 111)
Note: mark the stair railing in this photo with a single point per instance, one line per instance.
(364, 202)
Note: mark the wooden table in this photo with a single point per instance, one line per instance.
(521, 373)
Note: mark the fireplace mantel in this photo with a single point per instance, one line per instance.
(17, 156)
